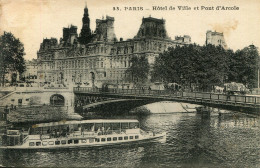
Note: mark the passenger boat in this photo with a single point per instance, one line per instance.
(72, 134)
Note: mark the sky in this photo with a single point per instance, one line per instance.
(33, 20)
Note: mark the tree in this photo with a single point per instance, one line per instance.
(214, 66)
(178, 64)
(246, 65)
(11, 55)
(139, 69)
(204, 66)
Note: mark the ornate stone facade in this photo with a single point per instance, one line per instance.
(30, 74)
(104, 59)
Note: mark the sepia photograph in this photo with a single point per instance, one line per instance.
(130, 83)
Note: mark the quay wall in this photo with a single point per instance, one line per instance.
(36, 96)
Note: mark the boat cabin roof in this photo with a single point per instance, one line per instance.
(64, 122)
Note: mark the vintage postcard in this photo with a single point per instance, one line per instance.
(129, 83)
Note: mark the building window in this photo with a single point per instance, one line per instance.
(102, 65)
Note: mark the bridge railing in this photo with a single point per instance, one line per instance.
(223, 97)
(185, 95)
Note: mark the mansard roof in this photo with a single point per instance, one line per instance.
(152, 27)
(151, 19)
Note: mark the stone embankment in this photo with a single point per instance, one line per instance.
(37, 114)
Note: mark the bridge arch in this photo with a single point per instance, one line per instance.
(57, 100)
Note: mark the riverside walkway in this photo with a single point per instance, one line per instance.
(244, 103)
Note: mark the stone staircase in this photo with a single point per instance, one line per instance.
(6, 94)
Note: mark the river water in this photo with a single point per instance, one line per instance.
(229, 140)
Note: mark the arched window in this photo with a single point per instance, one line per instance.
(57, 100)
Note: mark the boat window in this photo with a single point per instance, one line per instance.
(83, 141)
(126, 138)
(108, 126)
(91, 140)
(44, 143)
(70, 141)
(114, 138)
(120, 138)
(31, 144)
(63, 142)
(51, 142)
(136, 137)
(88, 126)
(76, 141)
(98, 126)
(97, 140)
(38, 143)
(45, 130)
(57, 142)
(35, 131)
(75, 127)
(12, 132)
(115, 126)
(103, 139)
(124, 125)
(131, 137)
(108, 139)
(133, 125)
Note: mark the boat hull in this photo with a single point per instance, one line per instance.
(88, 145)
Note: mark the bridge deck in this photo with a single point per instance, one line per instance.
(191, 97)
